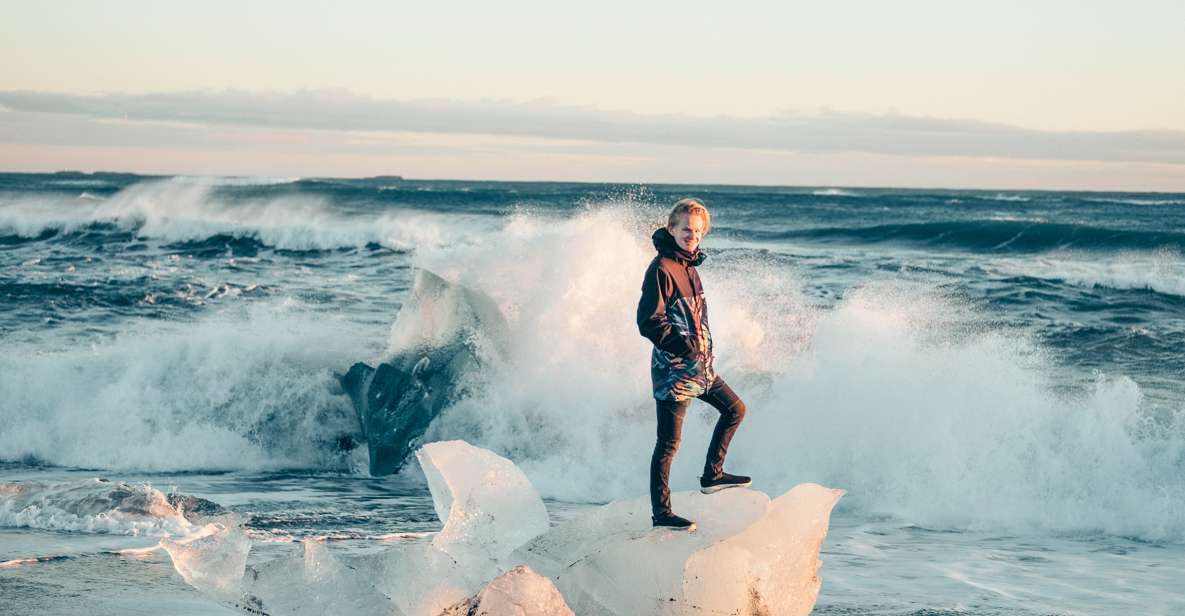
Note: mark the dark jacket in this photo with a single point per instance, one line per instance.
(674, 316)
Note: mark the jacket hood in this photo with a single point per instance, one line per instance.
(666, 246)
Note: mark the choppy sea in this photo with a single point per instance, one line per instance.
(997, 378)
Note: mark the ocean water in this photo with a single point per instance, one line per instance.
(995, 377)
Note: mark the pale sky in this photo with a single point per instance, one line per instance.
(1039, 94)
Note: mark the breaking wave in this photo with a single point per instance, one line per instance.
(993, 235)
(191, 211)
(835, 192)
(1160, 271)
(1136, 201)
(235, 180)
(248, 389)
(96, 506)
(905, 397)
(1006, 197)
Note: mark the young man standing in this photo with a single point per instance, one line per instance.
(674, 316)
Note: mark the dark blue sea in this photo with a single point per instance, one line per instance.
(996, 378)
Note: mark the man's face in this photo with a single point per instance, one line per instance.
(688, 231)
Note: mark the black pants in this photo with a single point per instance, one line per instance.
(670, 427)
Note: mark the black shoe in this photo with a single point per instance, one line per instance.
(673, 522)
(724, 481)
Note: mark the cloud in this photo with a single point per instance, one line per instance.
(828, 132)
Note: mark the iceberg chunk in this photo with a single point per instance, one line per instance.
(772, 565)
(413, 578)
(310, 583)
(212, 559)
(750, 555)
(518, 592)
(488, 505)
(421, 579)
(611, 561)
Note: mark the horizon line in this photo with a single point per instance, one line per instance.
(403, 178)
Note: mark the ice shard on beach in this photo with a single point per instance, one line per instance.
(488, 505)
(748, 556)
(771, 565)
(313, 582)
(212, 559)
(442, 335)
(497, 553)
(518, 592)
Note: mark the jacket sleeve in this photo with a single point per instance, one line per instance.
(657, 289)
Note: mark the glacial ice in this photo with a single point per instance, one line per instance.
(212, 559)
(311, 583)
(518, 592)
(748, 555)
(488, 505)
(497, 555)
(771, 565)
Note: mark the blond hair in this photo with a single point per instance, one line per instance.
(689, 207)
